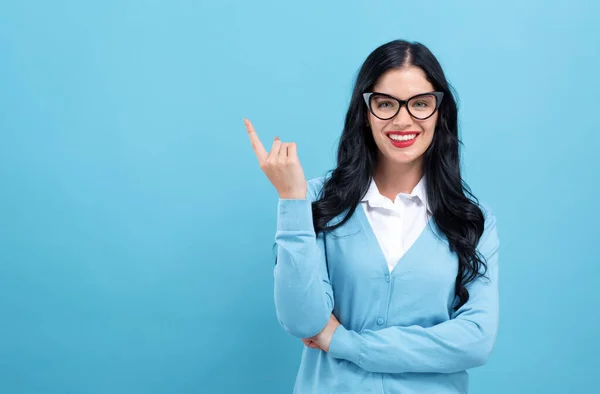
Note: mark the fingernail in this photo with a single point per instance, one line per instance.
(276, 138)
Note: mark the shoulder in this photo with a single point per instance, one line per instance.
(488, 213)
(315, 187)
(489, 238)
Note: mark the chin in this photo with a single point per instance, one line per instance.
(406, 160)
(403, 158)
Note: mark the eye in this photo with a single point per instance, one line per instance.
(385, 104)
(420, 104)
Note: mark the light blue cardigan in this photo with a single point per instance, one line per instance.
(399, 332)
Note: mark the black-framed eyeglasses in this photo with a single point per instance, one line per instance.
(420, 106)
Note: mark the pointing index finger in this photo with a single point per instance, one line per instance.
(259, 149)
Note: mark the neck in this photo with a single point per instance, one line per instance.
(392, 179)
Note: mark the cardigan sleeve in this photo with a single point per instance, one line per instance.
(302, 290)
(465, 341)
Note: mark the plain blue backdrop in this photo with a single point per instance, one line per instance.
(136, 228)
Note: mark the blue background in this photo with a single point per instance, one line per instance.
(135, 224)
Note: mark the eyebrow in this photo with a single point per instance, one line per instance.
(414, 95)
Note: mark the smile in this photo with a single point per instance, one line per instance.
(403, 139)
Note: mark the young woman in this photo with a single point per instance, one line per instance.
(387, 268)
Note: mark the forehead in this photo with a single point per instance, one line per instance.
(403, 83)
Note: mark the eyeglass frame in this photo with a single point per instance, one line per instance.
(438, 101)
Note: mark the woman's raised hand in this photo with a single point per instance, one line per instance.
(280, 165)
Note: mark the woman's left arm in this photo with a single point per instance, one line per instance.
(463, 342)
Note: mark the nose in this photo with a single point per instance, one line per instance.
(402, 119)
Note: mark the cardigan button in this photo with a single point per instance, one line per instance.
(380, 321)
(387, 278)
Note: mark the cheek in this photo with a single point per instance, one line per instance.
(429, 129)
(429, 125)
(377, 127)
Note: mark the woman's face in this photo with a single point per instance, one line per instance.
(402, 139)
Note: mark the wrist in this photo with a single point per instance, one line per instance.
(292, 196)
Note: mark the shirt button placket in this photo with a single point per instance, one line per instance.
(381, 320)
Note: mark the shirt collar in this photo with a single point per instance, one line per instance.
(376, 199)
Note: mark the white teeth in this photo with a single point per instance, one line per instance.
(406, 137)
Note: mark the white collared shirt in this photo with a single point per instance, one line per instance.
(396, 224)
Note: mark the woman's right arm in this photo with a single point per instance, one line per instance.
(303, 293)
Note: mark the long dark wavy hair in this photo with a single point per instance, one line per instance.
(455, 210)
